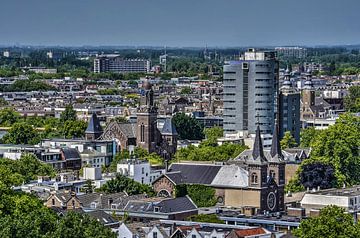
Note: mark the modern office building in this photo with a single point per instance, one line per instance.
(289, 108)
(251, 87)
(117, 64)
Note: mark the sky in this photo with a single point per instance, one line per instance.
(179, 23)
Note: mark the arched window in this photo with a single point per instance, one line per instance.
(272, 174)
(142, 133)
(254, 178)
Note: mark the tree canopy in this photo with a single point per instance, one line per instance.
(187, 127)
(288, 141)
(332, 222)
(352, 101)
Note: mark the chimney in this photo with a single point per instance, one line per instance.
(166, 166)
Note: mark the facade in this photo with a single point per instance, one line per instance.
(138, 170)
(250, 91)
(114, 63)
(347, 198)
(291, 52)
(289, 109)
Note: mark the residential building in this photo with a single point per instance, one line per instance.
(250, 92)
(114, 63)
(291, 52)
(289, 109)
(139, 170)
(347, 198)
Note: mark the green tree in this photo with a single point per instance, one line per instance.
(73, 129)
(352, 101)
(185, 91)
(122, 183)
(207, 218)
(339, 144)
(307, 135)
(202, 196)
(187, 127)
(332, 222)
(288, 141)
(21, 133)
(68, 115)
(8, 116)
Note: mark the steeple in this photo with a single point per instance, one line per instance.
(258, 147)
(308, 82)
(275, 145)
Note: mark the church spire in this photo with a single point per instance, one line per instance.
(258, 147)
(275, 145)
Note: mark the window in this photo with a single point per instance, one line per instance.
(272, 173)
(142, 133)
(254, 178)
(155, 234)
(53, 202)
(193, 236)
(142, 171)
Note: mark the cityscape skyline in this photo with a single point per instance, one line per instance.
(180, 24)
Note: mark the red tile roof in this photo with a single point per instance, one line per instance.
(249, 232)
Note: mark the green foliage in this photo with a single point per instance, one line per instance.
(8, 116)
(73, 129)
(206, 218)
(288, 141)
(185, 91)
(338, 147)
(202, 196)
(109, 91)
(81, 226)
(207, 152)
(187, 127)
(27, 168)
(21, 133)
(352, 101)
(332, 222)
(68, 115)
(122, 183)
(214, 132)
(339, 144)
(307, 135)
(27, 86)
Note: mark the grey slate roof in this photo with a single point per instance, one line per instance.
(169, 205)
(257, 153)
(193, 173)
(102, 217)
(129, 129)
(168, 128)
(94, 125)
(275, 151)
(70, 153)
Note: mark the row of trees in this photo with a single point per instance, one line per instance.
(24, 130)
(335, 156)
(27, 85)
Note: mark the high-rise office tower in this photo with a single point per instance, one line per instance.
(251, 87)
(289, 108)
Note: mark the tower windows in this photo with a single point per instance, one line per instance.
(254, 178)
(142, 133)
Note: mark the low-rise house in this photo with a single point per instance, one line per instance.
(139, 170)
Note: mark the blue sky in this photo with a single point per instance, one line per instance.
(180, 22)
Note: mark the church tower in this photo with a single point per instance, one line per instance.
(308, 96)
(93, 130)
(146, 126)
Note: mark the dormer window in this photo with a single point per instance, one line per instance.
(93, 205)
(156, 209)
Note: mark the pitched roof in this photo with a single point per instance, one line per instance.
(193, 173)
(168, 128)
(275, 151)
(249, 232)
(177, 205)
(70, 153)
(94, 125)
(231, 176)
(129, 129)
(258, 152)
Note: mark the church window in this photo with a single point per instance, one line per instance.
(272, 173)
(142, 133)
(254, 178)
